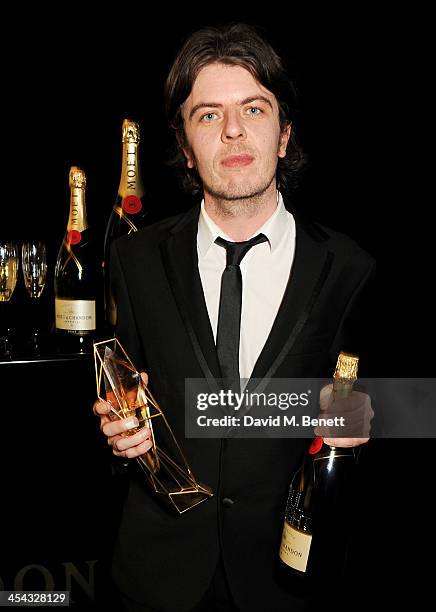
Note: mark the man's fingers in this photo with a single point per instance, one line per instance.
(134, 451)
(103, 420)
(121, 443)
(119, 426)
(328, 400)
(124, 441)
(101, 407)
(345, 420)
(325, 396)
(362, 431)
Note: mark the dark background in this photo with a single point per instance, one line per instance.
(363, 79)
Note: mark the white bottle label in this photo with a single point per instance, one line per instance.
(75, 315)
(295, 547)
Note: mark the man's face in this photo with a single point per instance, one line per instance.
(233, 133)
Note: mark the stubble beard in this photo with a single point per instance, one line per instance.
(238, 200)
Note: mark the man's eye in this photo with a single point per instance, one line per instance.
(208, 117)
(253, 110)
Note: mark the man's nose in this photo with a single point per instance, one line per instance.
(233, 128)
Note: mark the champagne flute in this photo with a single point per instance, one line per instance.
(34, 267)
(8, 280)
(8, 270)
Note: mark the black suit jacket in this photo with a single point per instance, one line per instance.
(168, 561)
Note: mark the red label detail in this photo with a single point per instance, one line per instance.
(315, 446)
(131, 205)
(74, 237)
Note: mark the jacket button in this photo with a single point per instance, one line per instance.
(227, 502)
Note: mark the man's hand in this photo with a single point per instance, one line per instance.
(124, 442)
(356, 411)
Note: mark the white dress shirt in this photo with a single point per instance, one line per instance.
(265, 272)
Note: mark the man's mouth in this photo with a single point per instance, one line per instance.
(237, 160)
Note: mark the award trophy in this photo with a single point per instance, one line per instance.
(164, 465)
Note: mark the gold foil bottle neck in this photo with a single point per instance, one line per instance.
(77, 178)
(77, 218)
(130, 131)
(347, 365)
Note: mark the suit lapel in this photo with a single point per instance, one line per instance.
(180, 259)
(310, 269)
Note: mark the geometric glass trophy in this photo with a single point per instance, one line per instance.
(164, 465)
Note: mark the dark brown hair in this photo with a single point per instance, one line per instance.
(238, 45)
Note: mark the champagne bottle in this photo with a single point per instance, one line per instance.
(74, 281)
(317, 516)
(129, 212)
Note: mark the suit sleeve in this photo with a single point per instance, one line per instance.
(356, 332)
(126, 326)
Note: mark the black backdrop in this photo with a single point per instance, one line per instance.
(362, 80)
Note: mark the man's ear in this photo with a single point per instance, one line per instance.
(284, 139)
(189, 160)
(186, 150)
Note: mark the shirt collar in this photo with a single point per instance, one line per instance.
(273, 228)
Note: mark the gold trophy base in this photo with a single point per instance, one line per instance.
(174, 487)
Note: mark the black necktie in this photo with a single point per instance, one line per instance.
(229, 317)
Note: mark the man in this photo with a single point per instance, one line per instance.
(302, 292)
